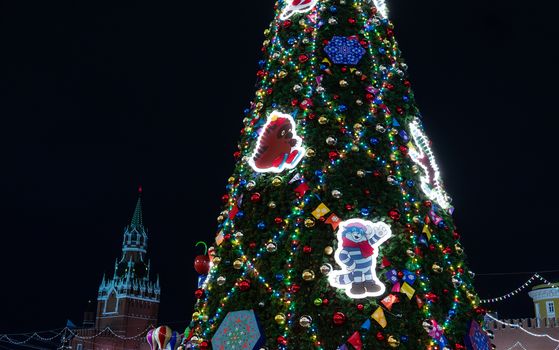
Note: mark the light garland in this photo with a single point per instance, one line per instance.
(519, 289)
(431, 182)
(381, 7)
(8, 337)
(523, 329)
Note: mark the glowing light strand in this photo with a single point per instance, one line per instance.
(523, 329)
(519, 289)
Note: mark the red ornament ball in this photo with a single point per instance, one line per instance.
(307, 249)
(225, 198)
(380, 336)
(325, 301)
(455, 235)
(394, 214)
(244, 285)
(199, 293)
(252, 245)
(255, 197)
(339, 318)
(202, 264)
(360, 307)
(303, 58)
(281, 340)
(204, 345)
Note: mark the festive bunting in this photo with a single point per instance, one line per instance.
(302, 189)
(379, 316)
(389, 301)
(355, 341)
(366, 325)
(427, 231)
(234, 211)
(219, 238)
(320, 211)
(408, 290)
(334, 221)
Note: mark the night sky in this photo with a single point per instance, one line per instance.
(97, 99)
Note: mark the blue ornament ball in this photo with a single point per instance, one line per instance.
(261, 225)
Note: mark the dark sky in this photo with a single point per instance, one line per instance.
(96, 99)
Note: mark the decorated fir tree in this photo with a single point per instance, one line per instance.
(336, 230)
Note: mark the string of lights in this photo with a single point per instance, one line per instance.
(517, 291)
(10, 338)
(523, 329)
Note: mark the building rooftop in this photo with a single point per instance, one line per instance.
(546, 286)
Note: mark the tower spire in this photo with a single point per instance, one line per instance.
(137, 219)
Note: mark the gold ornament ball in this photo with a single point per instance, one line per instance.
(282, 74)
(216, 260)
(277, 181)
(459, 250)
(237, 264)
(322, 120)
(361, 173)
(308, 275)
(471, 296)
(195, 315)
(437, 268)
(344, 83)
(393, 342)
(357, 127)
(311, 153)
(309, 223)
(272, 205)
(328, 250)
(355, 148)
(205, 318)
(280, 319)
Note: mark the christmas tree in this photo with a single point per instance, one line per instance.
(336, 230)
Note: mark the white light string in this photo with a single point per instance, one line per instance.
(522, 329)
(7, 338)
(535, 277)
(517, 344)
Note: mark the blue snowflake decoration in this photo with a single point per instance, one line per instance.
(342, 50)
(477, 339)
(238, 331)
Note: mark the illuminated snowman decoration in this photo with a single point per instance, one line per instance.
(358, 247)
